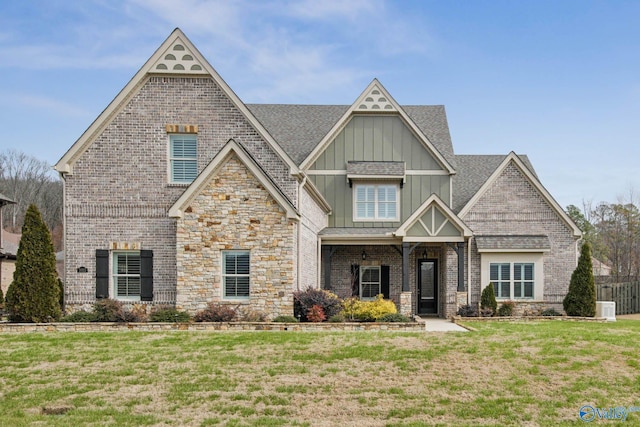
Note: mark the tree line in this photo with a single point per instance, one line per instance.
(613, 231)
(27, 180)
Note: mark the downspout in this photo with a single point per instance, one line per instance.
(299, 226)
(469, 271)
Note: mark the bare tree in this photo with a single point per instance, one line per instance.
(28, 180)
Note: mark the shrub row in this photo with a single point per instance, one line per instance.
(506, 309)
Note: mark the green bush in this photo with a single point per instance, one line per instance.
(550, 312)
(488, 298)
(33, 296)
(304, 300)
(80, 317)
(394, 318)
(506, 309)
(168, 314)
(285, 319)
(337, 318)
(1, 299)
(581, 297)
(109, 310)
(367, 311)
(216, 313)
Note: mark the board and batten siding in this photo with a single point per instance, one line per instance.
(377, 138)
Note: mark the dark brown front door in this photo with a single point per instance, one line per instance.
(427, 286)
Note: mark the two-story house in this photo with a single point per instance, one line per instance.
(181, 194)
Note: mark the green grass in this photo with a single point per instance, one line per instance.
(520, 373)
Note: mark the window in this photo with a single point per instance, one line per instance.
(523, 280)
(520, 287)
(126, 275)
(123, 274)
(183, 149)
(369, 282)
(235, 274)
(376, 202)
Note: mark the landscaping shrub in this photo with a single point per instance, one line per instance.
(316, 314)
(486, 312)
(506, 309)
(216, 313)
(248, 315)
(285, 319)
(394, 317)
(168, 314)
(468, 310)
(337, 318)
(80, 317)
(550, 312)
(581, 297)
(488, 298)
(33, 296)
(304, 300)
(109, 310)
(368, 311)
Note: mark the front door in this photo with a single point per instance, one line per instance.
(427, 286)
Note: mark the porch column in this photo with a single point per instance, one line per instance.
(326, 265)
(460, 251)
(405, 266)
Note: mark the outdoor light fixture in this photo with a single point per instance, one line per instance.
(424, 254)
(364, 255)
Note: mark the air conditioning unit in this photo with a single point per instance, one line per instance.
(606, 309)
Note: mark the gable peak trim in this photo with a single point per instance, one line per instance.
(436, 202)
(178, 58)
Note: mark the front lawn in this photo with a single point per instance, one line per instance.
(529, 373)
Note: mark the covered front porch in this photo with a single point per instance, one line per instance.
(420, 265)
(421, 278)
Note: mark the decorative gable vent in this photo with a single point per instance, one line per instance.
(177, 59)
(375, 101)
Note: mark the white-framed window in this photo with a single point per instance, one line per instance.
(183, 158)
(370, 281)
(126, 278)
(376, 202)
(513, 280)
(235, 274)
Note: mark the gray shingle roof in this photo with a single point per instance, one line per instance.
(375, 168)
(4, 200)
(472, 172)
(521, 242)
(300, 128)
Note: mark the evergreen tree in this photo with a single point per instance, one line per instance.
(488, 298)
(1, 299)
(33, 296)
(581, 297)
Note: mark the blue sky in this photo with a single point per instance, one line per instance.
(556, 80)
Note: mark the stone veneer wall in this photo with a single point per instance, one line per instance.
(512, 206)
(119, 188)
(235, 212)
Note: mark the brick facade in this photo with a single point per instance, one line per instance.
(513, 206)
(119, 188)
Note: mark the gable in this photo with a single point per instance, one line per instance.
(231, 151)
(375, 100)
(376, 138)
(513, 194)
(433, 221)
(176, 56)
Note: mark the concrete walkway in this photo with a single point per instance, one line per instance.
(436, 324)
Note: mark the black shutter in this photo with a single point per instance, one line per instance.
(384, 281)
(102, 273)
(355, 280)
(146, 275)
